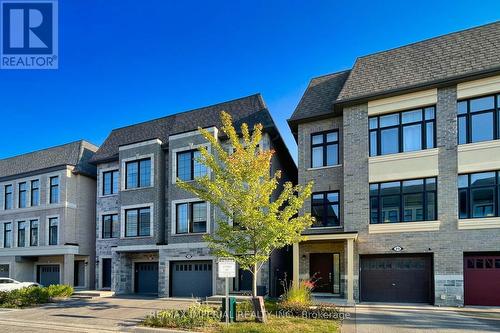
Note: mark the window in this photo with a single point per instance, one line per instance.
(7, 204)
(22, 195)
(188, 168)
(21, 233)
(34, 233)
(326, 209)
(403, 201)
(479, 119)
(7, 234)
(478, 195)
(53, 224)
(137, 222)
(110, 182)
(191, 217)
(54, 189)
(35, 192)
(324, 149)
(403, 132)
(138, 173)
(110, 226)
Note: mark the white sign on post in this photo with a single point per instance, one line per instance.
(227, 268)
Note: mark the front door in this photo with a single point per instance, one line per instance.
(106, 273)
(321, 271)
(79, 273)
(245, 280)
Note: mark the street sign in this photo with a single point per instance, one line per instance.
(227, 268)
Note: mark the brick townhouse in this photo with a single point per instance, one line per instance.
(404, 150)
(150, 232)
(47, 214)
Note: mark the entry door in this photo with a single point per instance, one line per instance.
(321, 270)
(482, 280)
(106, 273)
(47, 274)
(146, 277)
(245, 280)
(79, 273)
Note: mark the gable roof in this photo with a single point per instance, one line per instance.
(76, 154)
(320, 95)
(440, 60)
(250, 109)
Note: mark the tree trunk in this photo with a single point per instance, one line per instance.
(257, 301)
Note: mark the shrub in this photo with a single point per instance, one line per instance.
(24, 297)
(60, 290)
(299, 294)
(196, 315)
(308, 311)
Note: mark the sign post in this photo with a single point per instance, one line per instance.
(226, 270)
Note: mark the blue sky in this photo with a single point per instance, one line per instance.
(122, 62)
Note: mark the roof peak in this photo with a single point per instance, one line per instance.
(51, 147)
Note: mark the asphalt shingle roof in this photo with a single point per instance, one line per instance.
(437, 60)
(250, 109)
(320, 95)
(76, 154)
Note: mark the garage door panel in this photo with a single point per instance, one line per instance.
(399, 279)
(48, 274)
(482, 280)
(191, 278)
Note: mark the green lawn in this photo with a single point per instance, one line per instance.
(278, 325)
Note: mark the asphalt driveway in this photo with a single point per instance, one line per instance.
(110, 314)
(406, 319)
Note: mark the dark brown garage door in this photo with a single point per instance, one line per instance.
(482, 279)
(397, 279)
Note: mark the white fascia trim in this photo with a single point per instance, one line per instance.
(324, 167)
(122, 171)
(185, 148)
(479, 223)
(403, 156)
(151, 219)
(140, 144)
(173, 215)
(404, 227)
(40, 250)
(183, 246)
(212, 129)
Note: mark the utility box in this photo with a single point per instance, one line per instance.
(232, 309)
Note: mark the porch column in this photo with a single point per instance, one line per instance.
(350, 271)
(296, 264)
(69, 269)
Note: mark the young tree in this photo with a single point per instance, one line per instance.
(242, 188)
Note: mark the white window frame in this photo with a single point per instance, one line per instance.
(174, 217)
(2, 231)
(149, 205)
(100, 183)
(123, 171)
(99, 222)
(28, 220)
(47, 188)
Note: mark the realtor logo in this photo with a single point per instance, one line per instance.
(28, 34)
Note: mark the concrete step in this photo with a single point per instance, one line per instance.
(92, 293)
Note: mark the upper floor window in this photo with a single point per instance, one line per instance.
(7, 234)
(34, 233)
(35, 192)
(478, 195)
(53, 230)
(110, 226)
(23, 191)
(8, 196)
(403, 132)
(324, 149)
(188, 168)
(191, 217)
(110, 182)
(326, 209)
(479, 119)
(138, 173)
(54, 189)
(137, 222)
(21, 233)
(403, 201)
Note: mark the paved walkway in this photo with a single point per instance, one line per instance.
(113, 314)
(411, 319)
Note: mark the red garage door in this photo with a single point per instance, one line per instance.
(482, 279)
